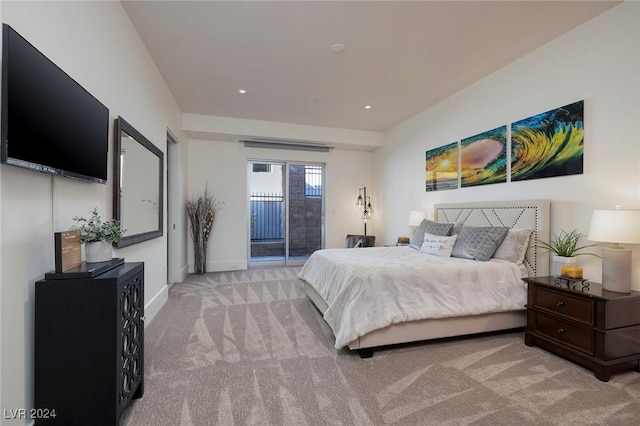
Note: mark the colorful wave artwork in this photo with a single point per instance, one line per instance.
(548, 144)
(442, 167)
(483, 158)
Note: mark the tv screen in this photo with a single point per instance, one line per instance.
(49, 122)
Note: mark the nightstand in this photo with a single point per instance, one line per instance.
(596, 328)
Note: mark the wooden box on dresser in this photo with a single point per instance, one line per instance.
(89, 346)
(588, 325)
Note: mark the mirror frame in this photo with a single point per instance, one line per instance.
(121, 125)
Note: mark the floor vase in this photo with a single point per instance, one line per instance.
(200, 257)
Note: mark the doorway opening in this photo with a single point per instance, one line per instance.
(286, 212)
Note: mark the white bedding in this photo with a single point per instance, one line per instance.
(371, 288)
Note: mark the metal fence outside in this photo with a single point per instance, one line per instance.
(267, 214)
(313, 181)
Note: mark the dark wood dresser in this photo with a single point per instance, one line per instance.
(596, 328)
(89, 346)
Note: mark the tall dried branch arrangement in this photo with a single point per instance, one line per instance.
(201, 212)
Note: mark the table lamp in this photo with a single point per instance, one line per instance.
(616, 227)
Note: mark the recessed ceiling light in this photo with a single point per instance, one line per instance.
(242, 91)
(338, 47)
(367, 107)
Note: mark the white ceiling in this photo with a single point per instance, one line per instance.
(400, 57)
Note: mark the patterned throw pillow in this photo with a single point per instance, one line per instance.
(514, 246)
(479, 242)
(438, 245)
(431, 227)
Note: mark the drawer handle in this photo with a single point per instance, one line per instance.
(560, 304)
(560, 331)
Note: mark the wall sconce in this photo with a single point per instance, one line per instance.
(364, 202)
(616, 227)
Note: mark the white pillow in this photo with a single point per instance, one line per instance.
(514, 246)
(438, 245)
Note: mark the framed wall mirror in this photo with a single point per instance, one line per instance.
(137, 187)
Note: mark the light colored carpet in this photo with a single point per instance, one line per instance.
(249, 348)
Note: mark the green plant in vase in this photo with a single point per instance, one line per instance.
(98, 235)
(564, 248)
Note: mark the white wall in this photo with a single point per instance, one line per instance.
(223, 167)
(96, 44)
(597, 62)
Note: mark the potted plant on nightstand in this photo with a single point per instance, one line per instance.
(98, 236)
(564, 249)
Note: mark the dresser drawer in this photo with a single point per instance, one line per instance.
(577, 337)
(581, 310)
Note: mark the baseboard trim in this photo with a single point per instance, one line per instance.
(155, 304)
(218, 266)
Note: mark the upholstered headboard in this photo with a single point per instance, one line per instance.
(513, 214)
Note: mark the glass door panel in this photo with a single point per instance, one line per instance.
(267, 208)
(305, 210)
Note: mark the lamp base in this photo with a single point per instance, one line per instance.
(616, 269)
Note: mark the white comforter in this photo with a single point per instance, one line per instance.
(371, 288)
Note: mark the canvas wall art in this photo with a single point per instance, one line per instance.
(442, 168)
(483, 158)
(548, 144)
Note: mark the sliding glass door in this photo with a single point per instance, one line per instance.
(286, 205)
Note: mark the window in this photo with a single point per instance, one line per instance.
(261, 168)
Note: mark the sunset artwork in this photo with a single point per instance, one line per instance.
(442, 167)
(548, 144)
(483, 158)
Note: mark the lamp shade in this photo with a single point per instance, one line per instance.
(615, 226)
(415, 217)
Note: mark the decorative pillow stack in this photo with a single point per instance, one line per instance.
(430, 227)
(438, 245)
(479, 242)
(471, 242)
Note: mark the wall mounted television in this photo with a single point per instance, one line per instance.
(49, 122)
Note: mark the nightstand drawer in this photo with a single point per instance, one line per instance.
(589, 325)
(577, 337)
(581, 310)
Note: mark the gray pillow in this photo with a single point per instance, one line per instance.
(456, 228)
(479, 242)
(430, 227)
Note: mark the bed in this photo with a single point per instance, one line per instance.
(404, 302)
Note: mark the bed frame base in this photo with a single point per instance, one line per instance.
(426, 329)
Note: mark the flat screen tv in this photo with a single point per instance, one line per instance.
(49, 122)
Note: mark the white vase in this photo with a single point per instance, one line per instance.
(557, 262)
(99, 251)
